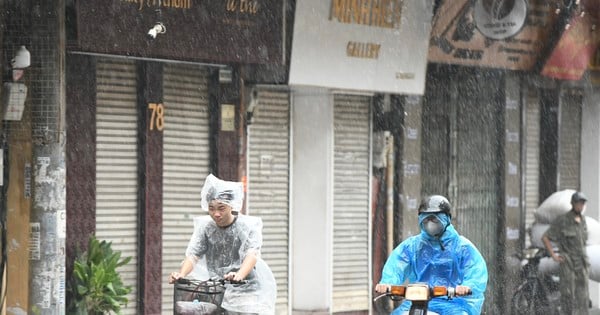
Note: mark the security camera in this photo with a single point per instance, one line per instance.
(158, 28)
(252, 103)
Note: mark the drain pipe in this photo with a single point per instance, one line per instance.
(389, 186)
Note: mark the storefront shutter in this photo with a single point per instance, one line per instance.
(460, 122)
(479, 161)
(532, 160)
(569, 146)
(186, 156)
(351, 207)
(268, 183)
(116, 165)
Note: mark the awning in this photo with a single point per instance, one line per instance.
(574, 51)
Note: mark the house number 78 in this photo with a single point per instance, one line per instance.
(157, 118)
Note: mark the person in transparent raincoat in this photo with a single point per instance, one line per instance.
(438, 256)
(227, 244)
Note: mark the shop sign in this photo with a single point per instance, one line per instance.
(575, 49)
(225, 31)
(368, 45)
(487, 33)
(499, 19)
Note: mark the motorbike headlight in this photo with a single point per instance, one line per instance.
(417, 292)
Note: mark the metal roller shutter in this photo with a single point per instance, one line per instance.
(532, 161)
(268, 183)
(116, 165)
(479, 162)
(186, 153)
(351, 206)
(569, 146)
(462, 157)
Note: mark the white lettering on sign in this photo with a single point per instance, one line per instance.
(176, 4)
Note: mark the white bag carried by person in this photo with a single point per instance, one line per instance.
(555, 205)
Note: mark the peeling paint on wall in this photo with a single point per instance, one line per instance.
(15, 311)
(50, 185)
(27, 181)
(34, 241)
(13, 245)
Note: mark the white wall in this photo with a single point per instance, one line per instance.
(311, 198)
(590, 164)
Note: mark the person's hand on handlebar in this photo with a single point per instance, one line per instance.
(461, 290)
(174, 276)
(233, 276)
(382, 288)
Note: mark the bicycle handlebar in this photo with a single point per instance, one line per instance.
(211, 281)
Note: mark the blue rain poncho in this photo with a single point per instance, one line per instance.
(449, 261)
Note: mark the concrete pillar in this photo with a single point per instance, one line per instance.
(48, 231)
(590, 164)
(311, 198)
(48, 213)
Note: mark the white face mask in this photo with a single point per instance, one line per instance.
(433, 228)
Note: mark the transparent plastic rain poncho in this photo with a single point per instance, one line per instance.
(421, 258)
(218, 250)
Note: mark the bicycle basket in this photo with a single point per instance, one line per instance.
(197, 297)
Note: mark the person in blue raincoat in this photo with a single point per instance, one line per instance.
(438, 256)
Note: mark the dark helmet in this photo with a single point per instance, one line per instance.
(436, 204)
(578, 196)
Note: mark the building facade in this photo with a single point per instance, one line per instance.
(336, 128)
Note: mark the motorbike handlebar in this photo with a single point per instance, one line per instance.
(420, 292)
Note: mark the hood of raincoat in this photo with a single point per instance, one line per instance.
(443, 218)
(230, 193)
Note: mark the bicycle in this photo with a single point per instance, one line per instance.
(539, 293)
(200, 297)
(419, 294)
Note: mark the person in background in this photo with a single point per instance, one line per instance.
(569, 233)
(227, 244)
(438, 256)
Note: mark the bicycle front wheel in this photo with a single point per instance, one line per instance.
(524, 299)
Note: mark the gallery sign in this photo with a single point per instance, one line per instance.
(496, 34)
(225, 31)
(368, 45)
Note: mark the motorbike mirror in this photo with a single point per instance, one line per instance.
(417, 293)
(439, 291)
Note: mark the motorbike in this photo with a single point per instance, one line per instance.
(419, 294)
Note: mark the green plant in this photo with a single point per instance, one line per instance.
(95, 287)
